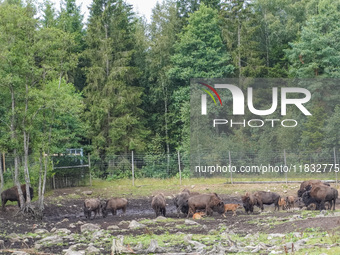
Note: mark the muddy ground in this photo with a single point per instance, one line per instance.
(139, 209)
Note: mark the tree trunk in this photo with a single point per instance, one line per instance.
(16, 157)
(40, 206)
(1, 176)
(239, 48)
(26, 148)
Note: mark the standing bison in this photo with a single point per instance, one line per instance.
(11, 194)
(158, 204)
(249, 200)
(209, 202)
(113, 205)
(267, 198)
(304, 184)
(320, 194)
(181, 201)
(92, 205)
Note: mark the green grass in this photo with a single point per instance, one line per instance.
(152, 186)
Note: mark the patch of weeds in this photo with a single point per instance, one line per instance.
(163, 240)
(312, 230)
(317, 251)
(147, 221)
(334, 235)
(184, 226)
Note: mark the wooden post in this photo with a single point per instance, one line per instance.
(133, 170)
(285, 161)
(231, 172)
(89, 157)
(53, 178)
(179, 169)
(336, 172)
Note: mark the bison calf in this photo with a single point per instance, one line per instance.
(290, 202)
(230, 207)
(282, 203)
(158, 205)
(92, 205)
(113, 205)
(11, 194)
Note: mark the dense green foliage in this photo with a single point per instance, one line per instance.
(119, 84)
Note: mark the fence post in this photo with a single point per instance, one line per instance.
(89, 157)
(285, 161)
(179, 169)
(133, 169)
(231, 172)
(336, 173)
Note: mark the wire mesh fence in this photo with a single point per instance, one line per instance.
(76, 170)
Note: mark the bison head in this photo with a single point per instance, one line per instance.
(103, 208)
(219, 208)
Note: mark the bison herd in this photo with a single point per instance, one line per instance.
(313, 194)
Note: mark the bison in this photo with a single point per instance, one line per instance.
(290, 202)
(11, 194)
(92, 205)
(158, 204)
(113, 205)
(304, 184)
(249, 201)
(181, 201)
(282, 203)
(209, 202)
(267, 198)
(230, 207)
(319, 194)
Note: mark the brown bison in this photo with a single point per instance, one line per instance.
(113, 205)
(11, 194)
(282, 203)
(320, 194)
(267, 198)
(249, 200)
(181, 201)
(158, 204)
(290, 202)
(92, 205)
(209, 202)
(230, 207)
(304, 184)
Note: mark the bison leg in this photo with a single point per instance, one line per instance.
(3, 204)
(190, 211)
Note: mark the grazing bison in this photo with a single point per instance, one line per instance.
(113, 205)
(249, 201)
(304, 184)
(299, 202)
(267, 198)
(319, 194)
(181, 201)
(11, 194)
(92, 205)
(209, 202)
(158, 205)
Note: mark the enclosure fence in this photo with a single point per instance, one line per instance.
(284, 166)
